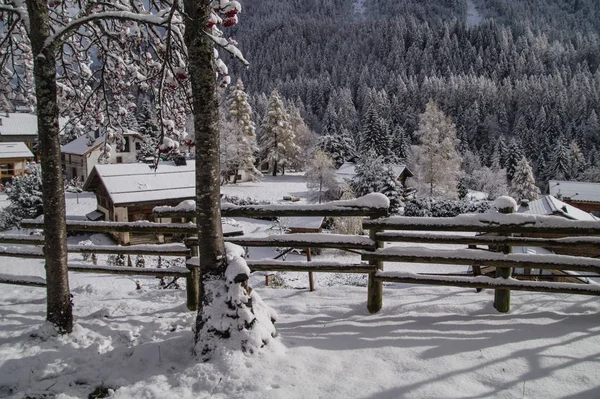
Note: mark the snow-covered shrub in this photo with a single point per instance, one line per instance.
(425, 207)
(25, 196)
(233, 316)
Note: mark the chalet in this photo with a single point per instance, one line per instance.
(583, 195)
(13, 160)
(81, 155)
(129, 192)
(18, 127)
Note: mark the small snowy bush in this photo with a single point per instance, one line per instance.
(233, 316)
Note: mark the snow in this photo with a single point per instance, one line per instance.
(575, 190)
(474, 18)
(505, 202)
(549, 205)
(14, 150)
(426, 341)
(22, 124)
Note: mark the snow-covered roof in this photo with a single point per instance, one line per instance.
(22, 124)
(347, 171)
(575, 190)
(549, 205)
(14, 150)
(80, 146)
(138, 183)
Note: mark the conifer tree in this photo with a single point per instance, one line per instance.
(374, 135)
(560, 162)
(374, 176)
(150, 132)
(523, 186)
(277, 137)
(513, 157)
(437, 163)
(401, 144)
(243, 132)
(578, 164)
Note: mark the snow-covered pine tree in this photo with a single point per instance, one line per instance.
(149, 130)
(513, 156)
(401, 144)
(320, 177)
(522, 186)
(374, 176)
(277, 137)
(240, 114)
(559, 167)
(437, 163)
(339, 146)
(500, 152)
(375, 135)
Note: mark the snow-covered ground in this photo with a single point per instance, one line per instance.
(426, 342)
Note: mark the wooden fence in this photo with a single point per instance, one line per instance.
(382, 229)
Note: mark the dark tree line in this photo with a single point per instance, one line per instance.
(528, 72)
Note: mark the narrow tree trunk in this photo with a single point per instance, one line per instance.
(274, 168)
(206, 123)
(60, 308)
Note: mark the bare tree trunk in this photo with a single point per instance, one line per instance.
(60, 308)
(206, 123)
(274, 168)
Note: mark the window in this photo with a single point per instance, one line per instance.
(119, 159)
(74, 173)
(7, 169)
(126, 144)
(138, 146)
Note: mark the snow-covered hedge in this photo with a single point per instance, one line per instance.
(425, 207)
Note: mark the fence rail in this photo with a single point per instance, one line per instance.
(497, 230)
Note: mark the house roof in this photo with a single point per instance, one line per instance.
(304, 222)
(549, 205)
(17, 124)
(348, 170)
(575, 190)
(138, 183)
(80, 146)
(14, 150)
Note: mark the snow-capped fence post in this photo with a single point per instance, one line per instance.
(505, 205)
(375, 287)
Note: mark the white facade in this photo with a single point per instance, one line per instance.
(80, 156)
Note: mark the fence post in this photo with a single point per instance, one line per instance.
(502, 297)
(375, 288)
(192, 283)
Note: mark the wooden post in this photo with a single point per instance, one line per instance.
(311, 281)
(375, 288)
(502, 297)
(192, 283)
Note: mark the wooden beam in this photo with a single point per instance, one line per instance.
(21, 239)
(313, 266)
(131, 271)
(157, 250)
(260, 211)
(22, 252)
(300, 240)
(466, 257)
(490, 283)
(431, 238)
(31, 281)
(493, 223)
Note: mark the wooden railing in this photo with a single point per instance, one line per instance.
(420, 230)
(381, 228)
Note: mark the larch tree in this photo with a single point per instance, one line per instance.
(277, 137)
(437, 163)
(320, 177)
(522, 186)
